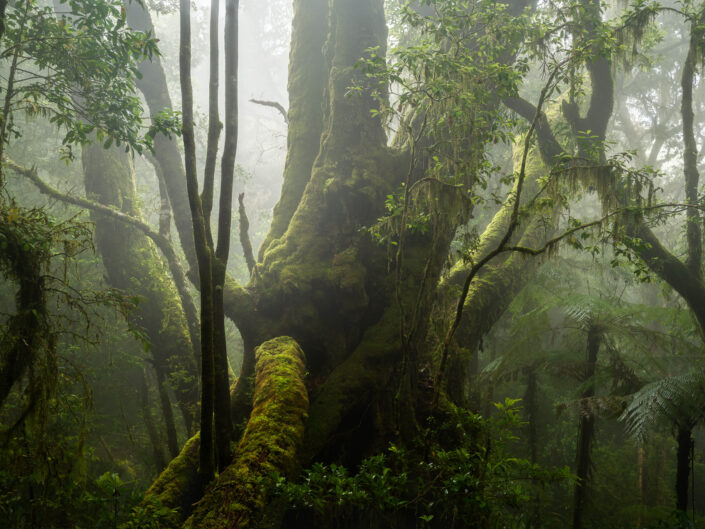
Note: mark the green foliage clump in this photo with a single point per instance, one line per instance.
(89, 86)
(458, 473)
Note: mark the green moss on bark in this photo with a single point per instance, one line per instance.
(176, 488)
(308, 74)
(269, 444)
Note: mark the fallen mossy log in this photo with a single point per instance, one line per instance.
(270, 443)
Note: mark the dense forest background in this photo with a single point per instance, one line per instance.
(351, 263)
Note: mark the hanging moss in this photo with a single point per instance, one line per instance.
(270, 443)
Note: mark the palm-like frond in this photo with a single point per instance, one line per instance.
(678, 400)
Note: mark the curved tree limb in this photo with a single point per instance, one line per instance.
(511, 228)
(270, 443)
(549, 147)
(273, 104)
(161, 242)
(244, 234)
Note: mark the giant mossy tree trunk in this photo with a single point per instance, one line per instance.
(133, 264)
(359, 316)
(308, 76)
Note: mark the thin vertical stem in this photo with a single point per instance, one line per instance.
(223, 422)
(214, 124)
(203, 252)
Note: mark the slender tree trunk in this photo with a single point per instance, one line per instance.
(694, 242)
(203, 252)
(157, 449)
(244, 229)
(640, 478)
(530, 399)
(690, 160)
(169, 423)
(223, 421)
(586, 428)
(685, 440)
(153, 86)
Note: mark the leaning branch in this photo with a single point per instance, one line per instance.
(244, 234)
(549, 147)
(159, 240)
(551, 243)
(273, 104)
(513, 223)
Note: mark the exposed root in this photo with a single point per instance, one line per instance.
(270, 443)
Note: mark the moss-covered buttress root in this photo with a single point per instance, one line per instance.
(178, 486)
(270, 443)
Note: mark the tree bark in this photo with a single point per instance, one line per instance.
(167, 412)
(270, 443)
(203, 251)
(154, 439)
(154, 87)
(238, 301)
(308, 79)
(586, 428)
(685, 440)
(690, 161)
(133, 264)
(221, 410)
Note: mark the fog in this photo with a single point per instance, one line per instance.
(265, 33)
(467, 288)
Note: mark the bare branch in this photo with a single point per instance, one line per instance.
(160, 241)
(273, 104)
(244, 234)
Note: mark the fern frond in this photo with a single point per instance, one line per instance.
(677, 400)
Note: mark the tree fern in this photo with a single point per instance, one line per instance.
(679, 400)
